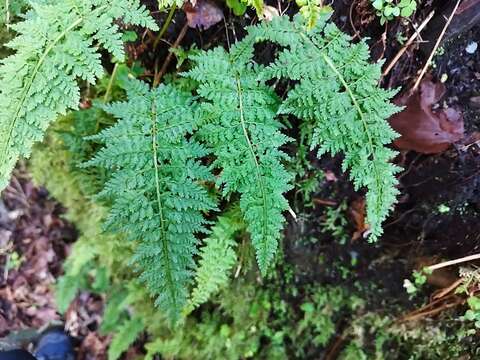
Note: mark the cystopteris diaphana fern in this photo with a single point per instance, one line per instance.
(238, 121)
(156, 188)
(336, 93)
(57, 43)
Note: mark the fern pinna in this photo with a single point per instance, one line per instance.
(56, 44)
(238, 121)
(156, 189)
(337, 94)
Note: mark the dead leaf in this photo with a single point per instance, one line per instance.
(203, 14)
(330, 176)
(269, 12)
(358, 214)
(423, 129)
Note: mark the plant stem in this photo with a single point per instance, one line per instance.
(110, 84)
(165, 26)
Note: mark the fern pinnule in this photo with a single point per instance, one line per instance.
(155, 188)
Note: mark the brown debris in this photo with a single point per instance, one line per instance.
(423, 129)
(203, 14)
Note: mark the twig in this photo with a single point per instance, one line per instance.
(350, 16)
(408, 43)
(159, 75)
(434, 50)
(453, 262)
(448, 289)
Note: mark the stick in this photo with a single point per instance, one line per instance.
(437, 44)
(159, 75)
(408, 43)
(453, 262)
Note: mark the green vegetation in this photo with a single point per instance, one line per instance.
(182, 193)
(389, 9)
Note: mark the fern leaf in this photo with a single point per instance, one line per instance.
(238, 122)
(39, 81)
(126, 335)
(337, 94)
(217, 259)
(157, 198)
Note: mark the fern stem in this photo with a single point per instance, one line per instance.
(257, 166)
(163, 231)
(7, 12)
(27, 88)
(165, 26)
(110, 83)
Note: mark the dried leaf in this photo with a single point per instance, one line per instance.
(203, 14)
(269, 12)
(358, 214)
(423, 129)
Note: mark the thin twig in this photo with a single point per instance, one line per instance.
(408, 43)
(434, 50)
(159, 75)
(448, 289)
(453, 262)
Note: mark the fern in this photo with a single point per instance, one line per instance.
(217, 259)
(238, 122)
(156, 196)
(337, 94)
(126, 335)
(55, 47)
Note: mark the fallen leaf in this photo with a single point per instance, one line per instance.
(203, 14)
(358, 213)
(423, 129)
(269, 12)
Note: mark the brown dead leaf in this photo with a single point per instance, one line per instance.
(358, 214)
(203, 14)
(422, 129)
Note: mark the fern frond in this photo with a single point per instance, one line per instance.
(56, 45)
(217, 259)
(238, 122)
(126, 335)
(157, 198)
(338, 95)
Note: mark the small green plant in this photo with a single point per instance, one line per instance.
(473, 313)
(389, 9)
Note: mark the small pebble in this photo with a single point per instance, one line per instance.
(472, 47)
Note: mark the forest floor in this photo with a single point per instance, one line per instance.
(435, 219)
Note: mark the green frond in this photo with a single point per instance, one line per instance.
(39, 81)
(338, 95)
(155, 187)
(125, 336)
(217, 258)
(237, 113)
